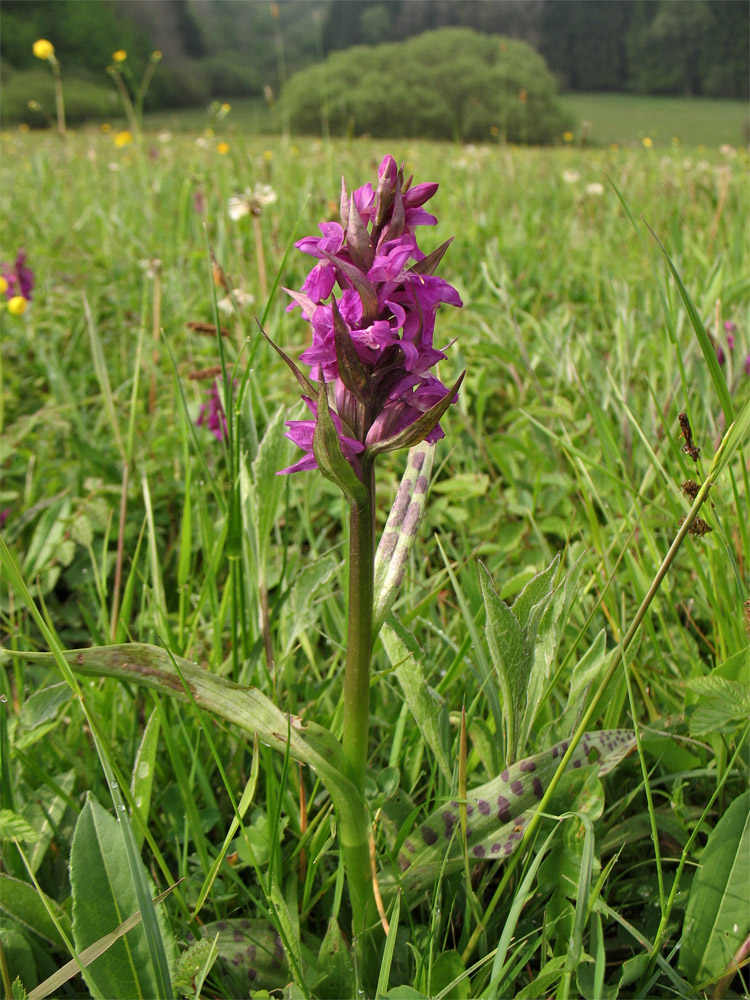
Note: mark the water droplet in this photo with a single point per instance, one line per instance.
(122, 808)
(3, 698)
(113, 784)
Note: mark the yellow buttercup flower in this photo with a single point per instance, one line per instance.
(43, 49)
(120, 56)
(648, 141)
(226, 108)
(17, 305)
(123, 138)
(568, 136)
(223, 148)
(3, 285)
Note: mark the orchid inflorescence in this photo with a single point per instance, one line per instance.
(373, 344)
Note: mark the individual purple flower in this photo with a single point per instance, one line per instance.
(19, 278)
(747, 364)
(372, 342)
(212, 415)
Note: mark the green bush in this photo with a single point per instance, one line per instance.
(453, 83)
(84, 98)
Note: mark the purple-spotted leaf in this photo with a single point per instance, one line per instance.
(497, 812)
(421, 427)
(400, 530)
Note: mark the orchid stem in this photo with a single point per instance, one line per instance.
(357, 696)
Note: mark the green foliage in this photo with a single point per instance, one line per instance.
(103, 897)
(717, 919)
(447, 84)
(565, 443)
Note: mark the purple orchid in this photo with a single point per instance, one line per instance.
(20, 278)
(373, 342)
(212, 414)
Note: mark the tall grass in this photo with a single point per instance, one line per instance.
(580, 355)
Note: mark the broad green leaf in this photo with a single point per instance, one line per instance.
(307, 595)
(497, 811)
(268, 485)
(425, 705)
(721, 703)
(335, 962)
(405, 993)
(40, 713)
(142, 778)
(448, 977)
(103, 897)
(45, 812)
(20, 901)
(717, 919)
(546, 980)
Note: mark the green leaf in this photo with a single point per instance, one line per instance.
(546, 979)
(103, 897)
(193, 966)
(404, 993)
(41, 709)
(307, 595)
(335, 962)
(18, 990)
(17, 953)
(447, 968)
(13, 826)
(717, 919)
(425, 704)
(721, 702)
(269, 486)
(20, 901)
(45, 812)
(142, 779)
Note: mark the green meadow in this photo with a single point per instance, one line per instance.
(576, 571)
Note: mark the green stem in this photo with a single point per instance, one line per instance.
(357, 698)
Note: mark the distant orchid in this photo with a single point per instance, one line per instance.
(212, 414)
(374, 343)
(19, 279)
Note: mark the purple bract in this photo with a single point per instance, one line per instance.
(373, 340)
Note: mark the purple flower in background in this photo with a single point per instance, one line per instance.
(212, 414)
(20, 279)
(747, 365)
(372, 343)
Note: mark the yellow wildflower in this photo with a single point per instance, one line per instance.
(226, 108)
(123, 138)
(647, 141)
(105, 127)
(568, 136)
(156, 55)
(223, 148)
(17, 305)
(23, 127)
(120, 56)
(268, 155)
(3, 285)
(43, 49)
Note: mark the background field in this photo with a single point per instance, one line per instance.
(579, 357)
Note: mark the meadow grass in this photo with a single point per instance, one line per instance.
(686, 121)
(128, 523)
